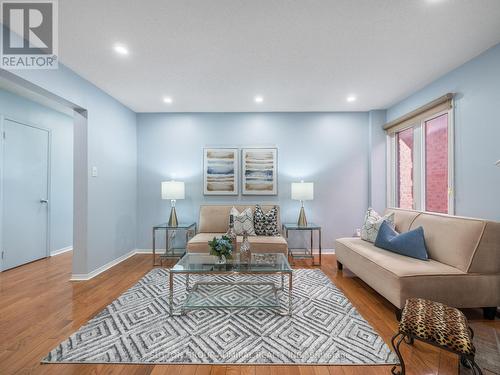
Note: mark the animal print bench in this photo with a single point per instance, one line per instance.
(438, 325)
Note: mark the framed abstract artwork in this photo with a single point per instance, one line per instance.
(220, 171)
(259, 171)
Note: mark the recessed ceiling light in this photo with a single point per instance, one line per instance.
(167, 99)
(120, 49)
(258, 99)
(351, 98)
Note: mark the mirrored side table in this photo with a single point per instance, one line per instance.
(172, 252)
(307, 253)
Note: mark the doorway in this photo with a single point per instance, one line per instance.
(25, 187)
(64, 195)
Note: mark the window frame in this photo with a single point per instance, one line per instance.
(419, 175)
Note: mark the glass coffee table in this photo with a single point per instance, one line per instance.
(233, 284)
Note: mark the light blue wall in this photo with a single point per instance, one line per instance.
(28, 112)
(477, 131)
(329, 149)
(377, 160)
(112, 147)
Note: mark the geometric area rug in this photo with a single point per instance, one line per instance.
(136, 328)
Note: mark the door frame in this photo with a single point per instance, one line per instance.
(4, 118)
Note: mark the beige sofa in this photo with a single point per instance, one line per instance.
(463, 270)
(214, 221)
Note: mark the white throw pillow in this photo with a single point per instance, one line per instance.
(243, 221)
(372, 224)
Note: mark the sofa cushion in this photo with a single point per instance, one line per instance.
(487, 256)
(397, 277)
(397, 264)
(482, 256)
(267, 244)
(402, 218)
(450, 239)
(259, 244)
(411, 243)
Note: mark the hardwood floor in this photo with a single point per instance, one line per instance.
(40, 307)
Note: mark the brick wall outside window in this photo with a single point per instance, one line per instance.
(436, 171)
(405, 169)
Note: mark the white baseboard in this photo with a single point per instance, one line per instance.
(147, 251)
(60, 251)
(107, 266)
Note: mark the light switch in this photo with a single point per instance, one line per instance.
(94, 171)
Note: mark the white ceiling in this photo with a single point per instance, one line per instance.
(309, 55)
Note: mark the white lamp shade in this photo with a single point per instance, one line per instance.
(172, 190)
(303, 191)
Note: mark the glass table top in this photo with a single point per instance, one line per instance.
(179, 226)
(294, 226)
(260, 263)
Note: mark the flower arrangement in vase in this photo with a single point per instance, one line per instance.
(221, 248)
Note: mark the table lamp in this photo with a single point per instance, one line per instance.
(302, 191)
(172, 190)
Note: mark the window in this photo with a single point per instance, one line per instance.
(420, 158)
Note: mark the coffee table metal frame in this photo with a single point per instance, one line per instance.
(235, 269)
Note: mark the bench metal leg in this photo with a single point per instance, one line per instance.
(470, 363)
(477, 370)
(395, 346)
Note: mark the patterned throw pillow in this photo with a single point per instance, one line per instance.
(372, 224)
(266, 224)
(243, 221)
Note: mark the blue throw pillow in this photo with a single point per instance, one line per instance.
(411, 244)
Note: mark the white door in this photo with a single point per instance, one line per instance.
(25, 194)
